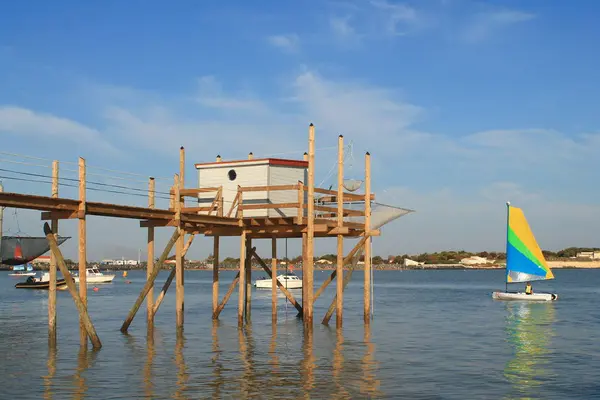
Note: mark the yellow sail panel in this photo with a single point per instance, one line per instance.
(520, 228)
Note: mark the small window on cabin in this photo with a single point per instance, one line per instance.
(232, 175)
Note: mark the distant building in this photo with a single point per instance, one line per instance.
(475, 260)
(119, 262)
(41, 260)
(411, 263)
(323, 261)
(593, 255)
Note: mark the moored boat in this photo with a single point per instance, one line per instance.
(288, 281)
(41, 283)
(93, 275)
(525, 261)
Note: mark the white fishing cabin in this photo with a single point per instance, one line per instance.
(253, 173)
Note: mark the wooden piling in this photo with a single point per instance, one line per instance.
(340, 238)
(367, 269)
(274, 280)
(150, 258)
(242, 281)
(89, 329)
(150, 281)
(248, 280)
(82, 245)
(308, 268)
(221, 306)
(215, 287)
(179, 290)
(52, 269)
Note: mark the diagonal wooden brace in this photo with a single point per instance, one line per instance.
(283, 289)
(347, 259)
(227, 296)
(163, 292)
(60, 261)
(150, 281)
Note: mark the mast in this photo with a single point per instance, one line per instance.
(506, 258)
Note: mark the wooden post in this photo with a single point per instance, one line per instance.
(242, 282)
(308, 308)
(248, 280)
(150, 262)
(52, 271)
(82, 246)
(150, 281)
(274, 280)
(340, 238)
(179, 262)
(367, 289)
(89, 329)
(304, 262)
(215, 292)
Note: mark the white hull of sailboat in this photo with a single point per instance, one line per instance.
(524, 297)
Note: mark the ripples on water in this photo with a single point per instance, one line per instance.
(436, 334)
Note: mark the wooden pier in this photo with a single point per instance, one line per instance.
(313, 218)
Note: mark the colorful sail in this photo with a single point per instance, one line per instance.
(524, 258)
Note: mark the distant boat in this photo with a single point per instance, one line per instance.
(20, 270)
(524, 259)
(93, 275)
(41, 283)
(288, 281)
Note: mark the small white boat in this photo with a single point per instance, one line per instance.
(525, 261)
(93, 275)
(524, 296)
(288, 281)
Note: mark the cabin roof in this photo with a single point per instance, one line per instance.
(255, 161)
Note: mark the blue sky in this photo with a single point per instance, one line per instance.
(463, 104)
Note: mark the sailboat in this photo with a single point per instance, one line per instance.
(524, 259)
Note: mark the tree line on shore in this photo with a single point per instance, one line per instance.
(442, 257)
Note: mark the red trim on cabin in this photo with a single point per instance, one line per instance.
(271, 161)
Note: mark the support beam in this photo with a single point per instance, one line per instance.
(52, 270)
(367, 269)
(179, 261)
(281, 287)
(169, 280)
(227, 296)
(82, 247)
(215, 291)
(274, 281)
(308, 268)
(89, 329)
(149, 281)
(248, 311)
(333, 275)
(340, 238)
(242, 281)
(150, 258)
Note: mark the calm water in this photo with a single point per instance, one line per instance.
(436, 335)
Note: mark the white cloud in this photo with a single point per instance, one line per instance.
(21, 121)
(483, 24)
(397, 16)
(289, 43)
(458, 185)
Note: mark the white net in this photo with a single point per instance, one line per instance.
(381, 214)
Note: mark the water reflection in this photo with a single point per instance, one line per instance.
(529, 330)
(85, 359)
(51, 372)
(219, 379)
(148, 374)
(370, 383)
(182, 374)
(308, 363)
